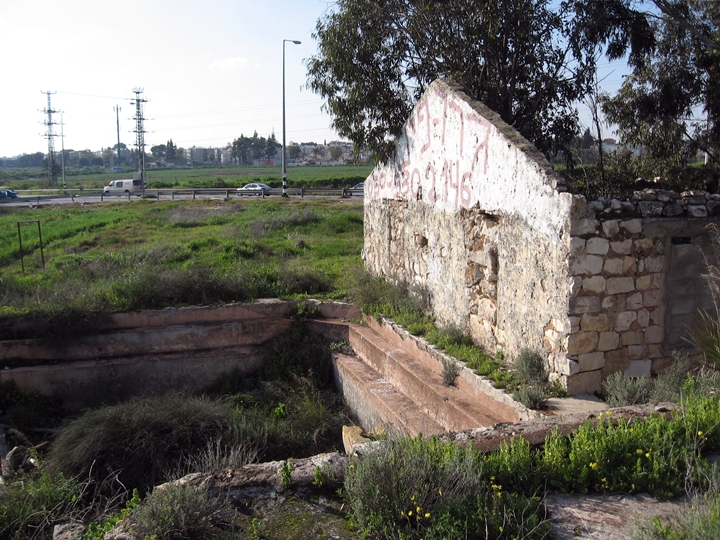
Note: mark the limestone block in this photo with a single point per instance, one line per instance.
(657, 315)
(651, 208)
(619, 285)
(654, 334)
(582, 342)
(615, 204)
(595, 323)
(608, 341)
(613, 266)
(655, 263)
(482, 332)
(632, 338)
(655, 350)
(597, 246)
(584, 304)
(643, 318)
(672, 210)
(587, 264)
(585, 226)
(586, 382)
(575, 285)
(644, 282)
(695, 197)
(652, 298)
(594, 284)
(566, 366)
(713, 208)
(634, 301)
(629, 265)
(639, 368)
(577, 245)
(633, 226)
(636, 352)
(616, 360)
(661, 363)
(698, 211)
(643, 244)
(611, 227)
(558, 324)
(574, 324)
(624, 319)
(487, 310)
(591, 361)
(622, 248)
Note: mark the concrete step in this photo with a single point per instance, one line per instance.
(375, 401)
(453, 408)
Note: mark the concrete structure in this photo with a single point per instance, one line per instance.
(473, 213)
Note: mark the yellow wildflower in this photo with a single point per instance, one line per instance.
(410, 513)
(427, 514)
(700, 433)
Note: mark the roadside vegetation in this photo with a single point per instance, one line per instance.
(149, 254)
(309, 176)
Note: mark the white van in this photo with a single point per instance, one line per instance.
(123, 186)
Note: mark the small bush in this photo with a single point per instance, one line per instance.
(532, 396)
(176, 512)
(141, 440)
(450, 372)
(33, 504)
(622, 390)
(423, 488)
(529, 367)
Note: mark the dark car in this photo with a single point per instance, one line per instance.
(7, 194)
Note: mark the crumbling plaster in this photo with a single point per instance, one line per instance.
(470, 211)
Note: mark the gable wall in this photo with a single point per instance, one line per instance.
(472, 213)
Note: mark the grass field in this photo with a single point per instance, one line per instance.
(307, 176)
(153, 254)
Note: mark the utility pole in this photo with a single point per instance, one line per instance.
(49, 135)
(62, 146)
(140, 134)
(117, 117)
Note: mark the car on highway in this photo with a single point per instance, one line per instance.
(357, 188)
(254, 189)
(7, 194)
(123, 186)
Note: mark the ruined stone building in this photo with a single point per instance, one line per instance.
(473, 213)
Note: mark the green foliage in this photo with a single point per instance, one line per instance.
(533, 396)
(117, 257)
(424, 488)
(450, 372)
(97, 531)
(286, 473)
(177, 511)
(375, 59)
(670, 385)
(31, 505)
(141, 440)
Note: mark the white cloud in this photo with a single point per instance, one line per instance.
(229, 64)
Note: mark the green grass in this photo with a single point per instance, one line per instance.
(152, 254)
(308, 176)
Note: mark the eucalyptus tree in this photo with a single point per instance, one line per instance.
(528, 60)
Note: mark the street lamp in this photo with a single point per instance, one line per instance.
(284, 171)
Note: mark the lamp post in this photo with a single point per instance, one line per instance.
(284, 171)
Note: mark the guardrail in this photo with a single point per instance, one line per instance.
(38, 195)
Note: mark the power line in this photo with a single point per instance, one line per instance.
(140, 133)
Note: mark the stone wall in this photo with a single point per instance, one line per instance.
(637, 284)
(471, 212)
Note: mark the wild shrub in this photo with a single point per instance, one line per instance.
(533, 396)
(623, 390)
(450, 372)
(423, 488)
(529, 367)
(141, 440)
(31, 505)
(177, 512)
(670, 385)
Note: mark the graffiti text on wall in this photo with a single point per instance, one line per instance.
(442, 153)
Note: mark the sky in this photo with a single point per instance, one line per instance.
(211, 71)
